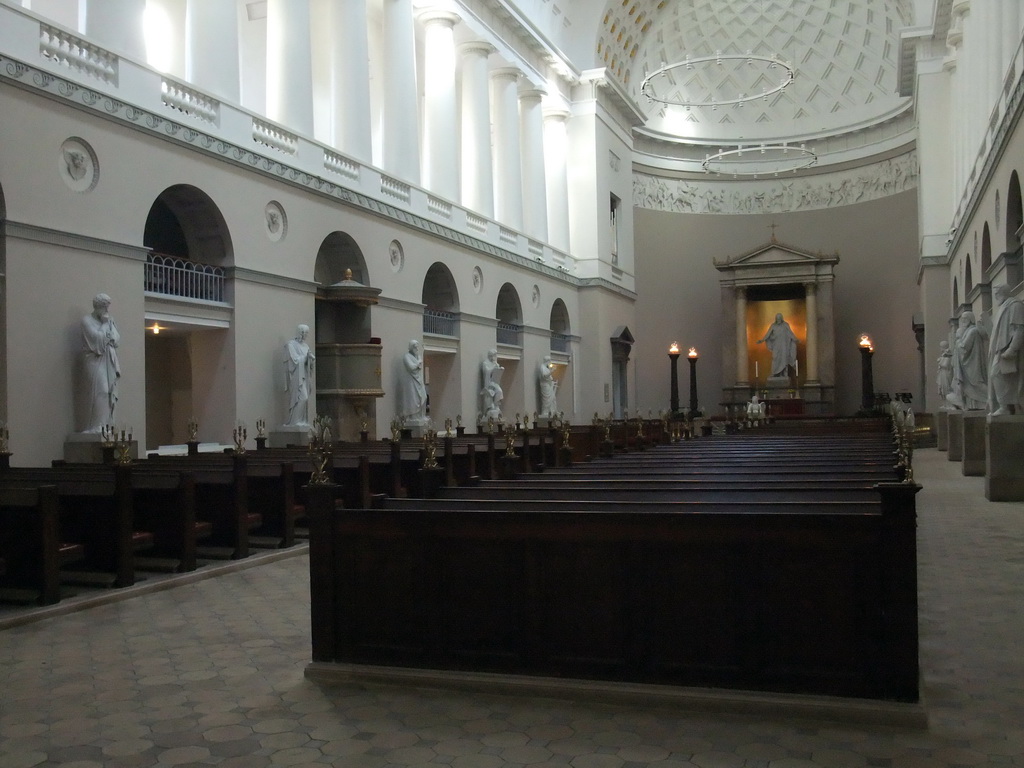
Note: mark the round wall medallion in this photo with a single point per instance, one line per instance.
(77, 165)
(478, 279)
(397, 256)
(277, 221)
(535, 295)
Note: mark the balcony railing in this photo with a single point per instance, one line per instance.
(171, 276)
(510, 334)
(560, 342)
(440, 323)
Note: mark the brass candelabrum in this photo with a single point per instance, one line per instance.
(193, 430)
(564, 423)
(396, 430)
(320, 449)
(490, 425)
(510, 441)
(448, 427)
(261, 428)
(239, 435)
(430, 449)
(120, 440)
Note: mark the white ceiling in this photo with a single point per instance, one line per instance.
(844, 52)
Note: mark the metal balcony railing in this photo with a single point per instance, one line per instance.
(171, 276)
(510, 334)
(440, 323)
(560, 342)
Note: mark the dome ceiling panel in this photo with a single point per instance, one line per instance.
(844, 53)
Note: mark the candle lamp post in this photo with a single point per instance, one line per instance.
(692, 357)
(673, 356)
(867, 399)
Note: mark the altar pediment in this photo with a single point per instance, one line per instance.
(775, 263)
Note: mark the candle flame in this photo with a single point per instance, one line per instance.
(692, 352)
(673, 348)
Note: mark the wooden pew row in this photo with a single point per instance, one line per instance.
(233, 497)
(31, 549)
(515, 494)
(814, 598)
(95, 510)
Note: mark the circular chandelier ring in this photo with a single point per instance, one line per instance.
(772, 62)
(767, 166)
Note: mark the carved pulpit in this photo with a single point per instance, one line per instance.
(757, 287)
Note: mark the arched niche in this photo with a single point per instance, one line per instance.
(757, 286)
(1014, 214)
(986, 252)
(185, 222)
(440, 297)
(339, 252)
(968, 279)
(561, 330)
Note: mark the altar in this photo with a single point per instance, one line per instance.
(779, 329)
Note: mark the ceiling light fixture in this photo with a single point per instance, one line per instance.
(658, 85)
(760, 160)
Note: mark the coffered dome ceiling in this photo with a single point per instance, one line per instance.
(844, 54)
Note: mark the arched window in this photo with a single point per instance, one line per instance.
(968, 282)
(509, 314)
(986, 251)
(1014, 213)
(338, 253)
(441, 301)
(560, 330)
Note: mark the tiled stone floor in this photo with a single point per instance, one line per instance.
(211, 673)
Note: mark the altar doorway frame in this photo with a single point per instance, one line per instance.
(778, 272)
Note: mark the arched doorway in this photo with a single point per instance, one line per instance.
(189, 340)
(508, 313)
(561, 355)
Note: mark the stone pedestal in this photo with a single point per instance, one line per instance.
(942, 430)
(284, 436)
(974, 443)
(1004, 471)
(87, 448)
(956, 436)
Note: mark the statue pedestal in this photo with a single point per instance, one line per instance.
(974, 443)
(284, 436)
(1004, 471)
(87, 448)
(956, 436)
(942, 430)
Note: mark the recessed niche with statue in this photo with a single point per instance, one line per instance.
(779, 329)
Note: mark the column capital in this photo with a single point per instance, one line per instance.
(960, 8)
(531, 92)
(437, 16)
(556, 114)
(506, 73)
(476, 48)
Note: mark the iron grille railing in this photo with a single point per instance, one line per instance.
(171, 276)
(559, 342)
(510, 334)
(440, 323)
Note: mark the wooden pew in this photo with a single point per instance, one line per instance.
(725, 576)
(30, 545)
(96, 510)
(222, 498)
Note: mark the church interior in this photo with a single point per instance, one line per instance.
(393, 215)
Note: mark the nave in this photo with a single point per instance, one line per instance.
(210, 672)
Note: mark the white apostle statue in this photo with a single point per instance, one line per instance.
(491, 393)
(413, 391)
(100, 372)
(1006, 355)
(298, 377)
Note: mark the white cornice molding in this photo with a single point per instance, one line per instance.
(36, 234)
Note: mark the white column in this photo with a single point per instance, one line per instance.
(992, 52)
(477, 173)
(811, 351)
(508, 173)
(117, 25)
(401, 153)
(440, 140)
(289, 67)
(211, 47)
(349, 58)
(531, 142)
(742, 369)
(557, 175)
(953, 65)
